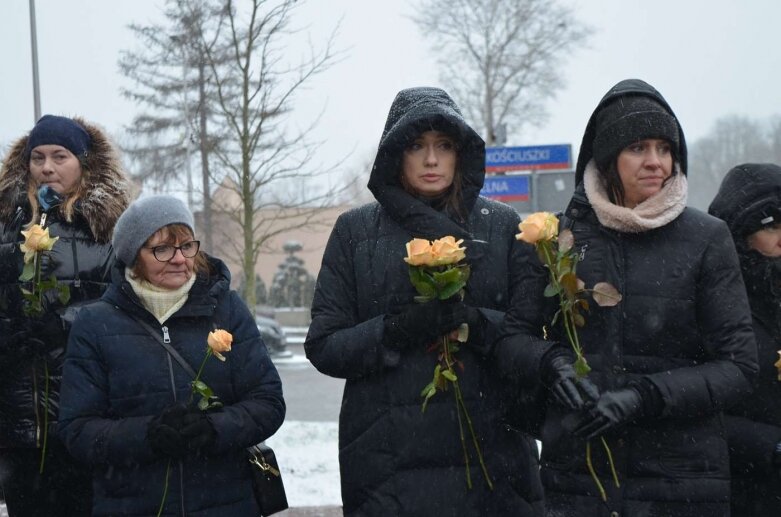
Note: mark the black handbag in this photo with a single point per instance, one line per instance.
(267, 480)
(267, 483)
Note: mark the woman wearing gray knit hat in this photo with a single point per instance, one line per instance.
(64, 176)
(674, 352)
(127, 406)
(749, 201)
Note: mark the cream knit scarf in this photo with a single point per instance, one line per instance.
(654, 212)
(162, 303)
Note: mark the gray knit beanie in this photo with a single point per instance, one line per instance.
(142, 219)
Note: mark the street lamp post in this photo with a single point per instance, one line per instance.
(34, 44)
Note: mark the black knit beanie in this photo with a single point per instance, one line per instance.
(629, 119)
(749, 199)
(55, 130)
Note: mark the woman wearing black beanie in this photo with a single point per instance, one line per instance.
(674, 352)
(749, 200)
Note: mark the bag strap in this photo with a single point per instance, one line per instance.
(171, 350)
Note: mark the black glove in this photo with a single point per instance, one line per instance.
(777, 456)
(21, 344)
(164, 432)
(568, 389)
(420, 324)
(197, 431)
(614, 407)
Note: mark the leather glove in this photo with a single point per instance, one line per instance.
(777, 456)
(22, 344)
(198, 431)
(568, 389)
(164, 432)
(614, 407)
(420, 324)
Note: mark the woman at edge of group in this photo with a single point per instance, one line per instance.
(64, 175)
(127, 407)
(673, 353)
(394, 459)
(749, 201)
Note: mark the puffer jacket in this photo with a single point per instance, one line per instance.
(117, 377)
(754, 425)
(683, 330)
(81, 260)
(394, 459)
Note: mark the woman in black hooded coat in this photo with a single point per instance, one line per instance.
(749, 200)
(394, 459)
(674, 352)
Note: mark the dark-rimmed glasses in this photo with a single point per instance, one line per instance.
(166, 252)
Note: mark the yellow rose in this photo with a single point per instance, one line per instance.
(419, 253)
(36, 239)
(777, 364)
(220, 341)
(447, 251)
(540, 226)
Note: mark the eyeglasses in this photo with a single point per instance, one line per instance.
(166, 252)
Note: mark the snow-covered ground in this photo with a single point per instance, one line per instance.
(308, 456)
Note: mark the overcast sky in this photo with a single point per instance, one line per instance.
(709, 58)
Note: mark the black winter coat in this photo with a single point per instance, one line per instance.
(81, 260)
(683, 326)
(117, 377)
(394, 459)
(747, 195)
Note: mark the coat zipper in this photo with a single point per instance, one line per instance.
(167, 339)
(35, 376)
(35, 408)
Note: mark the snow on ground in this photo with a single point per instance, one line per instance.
(308, 456)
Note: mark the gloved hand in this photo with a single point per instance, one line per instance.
(568, 390)
(197, 431)
(22, 344)
(614, 407)
(420, 324)
(777, 457)
(164, 432)
(477, 324)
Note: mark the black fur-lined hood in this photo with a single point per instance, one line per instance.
(107, 188)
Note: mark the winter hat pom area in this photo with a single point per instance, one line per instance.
(56, 130)
(142, 219)
(629, 119)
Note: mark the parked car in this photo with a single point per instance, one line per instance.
(273, 336)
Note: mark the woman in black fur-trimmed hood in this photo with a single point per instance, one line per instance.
(749, 201)
(394, 459)
(676, 350)
(64, 175)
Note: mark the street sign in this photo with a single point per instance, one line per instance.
(499, 159)
(506, 188)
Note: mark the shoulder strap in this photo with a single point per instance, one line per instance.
(171, 350)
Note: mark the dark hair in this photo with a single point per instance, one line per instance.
(615, 189)
(174, 233)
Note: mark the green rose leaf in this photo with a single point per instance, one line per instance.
(28, 272)
(422, 281)
(581, 367)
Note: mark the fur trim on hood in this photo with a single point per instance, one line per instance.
(107, 188)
